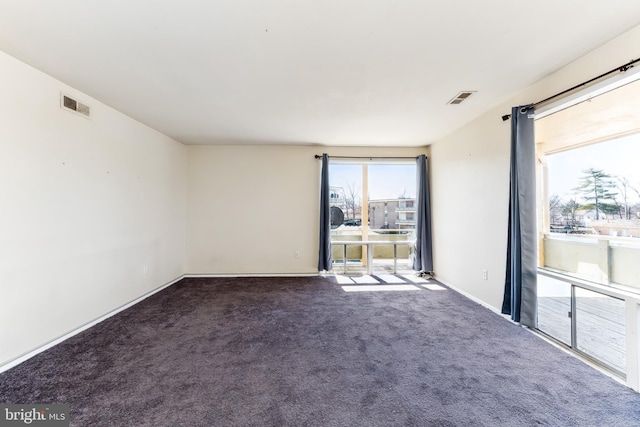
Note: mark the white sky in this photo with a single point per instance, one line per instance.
(386, 181)
(620, 157)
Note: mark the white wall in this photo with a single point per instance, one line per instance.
(470, 179)
(251, 208)
(85, 206)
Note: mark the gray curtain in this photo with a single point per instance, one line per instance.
(423, 259)
(520, 290)
(324, 258)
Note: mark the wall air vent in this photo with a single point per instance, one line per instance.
(70, 104)
(461, 97)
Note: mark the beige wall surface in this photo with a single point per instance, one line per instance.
(92, 212)
(251, 208)
(470, 180)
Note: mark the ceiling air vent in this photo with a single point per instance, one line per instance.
(70, 104)
(461, 97)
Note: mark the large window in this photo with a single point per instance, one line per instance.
(589, 223)
(591, 212)
(373, 201)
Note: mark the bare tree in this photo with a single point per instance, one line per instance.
(636, 189)
(625, 186)
(352, 199)
(555, 208)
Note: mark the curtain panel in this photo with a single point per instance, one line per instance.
(520, 290)
(423, 257)
(324, 257)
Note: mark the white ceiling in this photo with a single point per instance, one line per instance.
(347, 72)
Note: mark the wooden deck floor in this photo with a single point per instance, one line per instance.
(600, 325)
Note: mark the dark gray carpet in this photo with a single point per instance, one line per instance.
(301, 352)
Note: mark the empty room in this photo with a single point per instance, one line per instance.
(359, 213)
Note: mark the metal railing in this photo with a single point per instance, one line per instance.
(383, 245)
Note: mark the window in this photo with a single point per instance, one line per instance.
(590, 193)
(387, 213)
(589, 223)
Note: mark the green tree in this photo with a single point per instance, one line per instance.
(597, 187)
(611, 208)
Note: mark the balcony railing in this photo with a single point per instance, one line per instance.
(608, 260)
(589, 296)
(383, 250)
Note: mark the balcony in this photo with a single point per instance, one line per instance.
(406, 209)
(392, 251)
(589, 298)
(602, 259)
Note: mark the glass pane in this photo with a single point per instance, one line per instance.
(593, 212)
(345, 181)
(387, 214)
(392, 209)
(600, 328)
(345, 195)
(554, 305)
(392, 196)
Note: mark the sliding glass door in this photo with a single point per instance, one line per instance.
(590, 322)
(589, 223)
(373, 209)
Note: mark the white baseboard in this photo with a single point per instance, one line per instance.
(18, 360)
(26, 356)
(472, 298)
(187, 276)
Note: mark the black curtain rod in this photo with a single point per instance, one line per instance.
(620, 69)
(317, 156)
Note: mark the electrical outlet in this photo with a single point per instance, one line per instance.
(296, 254)
(485, 274)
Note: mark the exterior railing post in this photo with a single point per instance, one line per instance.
(604, 260)
(632, 327)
